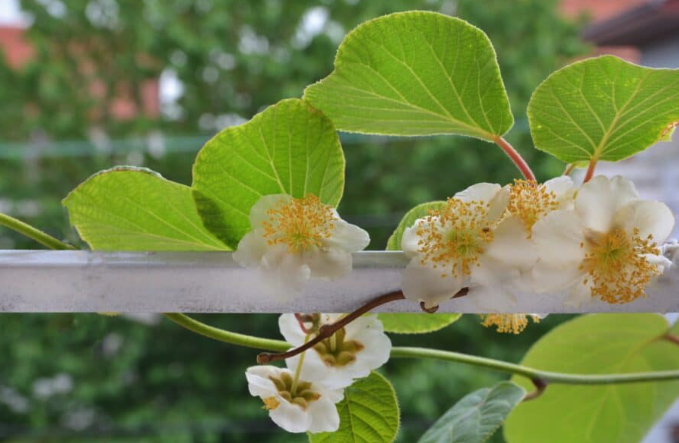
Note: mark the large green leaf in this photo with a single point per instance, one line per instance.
(368, 413)
(597, 344)
(290, 148)
(603, 108)
(415, 73)
(414, 323)
(476, 417)
(135, 209)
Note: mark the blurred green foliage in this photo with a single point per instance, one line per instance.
(131, 381)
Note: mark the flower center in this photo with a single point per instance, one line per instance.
(302, 395)
(531, 201)
(508, 323)
(301, 224)
(455, 236)
(617, 265)
(335, 351)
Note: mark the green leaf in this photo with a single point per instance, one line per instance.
(419, 211)
(290, 148)
(414, 323)
(415, 73)
(135, 209)
(603, 108)
(368, 413)
(597, 344)
(476, 417)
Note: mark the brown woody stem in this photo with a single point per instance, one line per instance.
(540, 387)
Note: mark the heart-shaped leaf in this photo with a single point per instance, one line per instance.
(477, 416)
(368, 413)
(597, 344)
(135, 209)
(604, 109)
(415, 73)
(290, 148)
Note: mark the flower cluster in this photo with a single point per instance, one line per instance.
(302, 397)
(596, 242)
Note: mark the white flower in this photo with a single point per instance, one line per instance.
(293, 240)
(606, 248)
(450, 248)
(306, 407)
(510, 323)
(351, 353)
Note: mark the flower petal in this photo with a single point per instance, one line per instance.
(563, 189)
(328, 264)
(510, 244)
(324, 416)
(259, 383)
(650, 217)
(291, 417)
(498, 204)
(283, 273)
(410, 240)
(251, 248)
(291, 330)
(481, 192)
(347, 237)
(599, 199)
(558, 237)
(424, 283)
(258, 212)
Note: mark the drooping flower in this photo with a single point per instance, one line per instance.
(510, 323)
(606, 248)
(351, 353)
(293, 240)
(300, 406)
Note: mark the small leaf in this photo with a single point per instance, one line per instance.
(368, 413)
(603, 108)
(415, 73)
(597, 344)
(135, 209)
(477, 416)
(290, 148)
(408, 220)
(416, 323)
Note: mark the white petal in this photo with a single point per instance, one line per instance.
(259, 383)
(599, 199)
(328, 264)
(564, 190)
(291, 330)
(481, 192)
(650, 217)
(498, 204)
(557, 238)
(324, 416)
(376, 352)
(251, 248)
(291, 417)
(283, 273)
(492, 298)
(580, 293)
(510, 244)
(423, 283)
(410, 240)
(313, 370)
(258, 212)
(347, 237)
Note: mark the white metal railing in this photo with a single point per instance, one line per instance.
(79, 281)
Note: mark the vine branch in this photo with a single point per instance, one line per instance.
(33, 233)
(540, 387)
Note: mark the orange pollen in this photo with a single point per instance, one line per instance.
(455, 236)
(617, 265)
(301, 224)
(531, 201)
(508, 323)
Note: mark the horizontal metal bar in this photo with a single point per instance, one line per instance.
(79, 281)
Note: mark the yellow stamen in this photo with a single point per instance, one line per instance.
(508, 323)
(301, 224)
(531, 201)
(271, 403)
(617, 265)
(455, 236)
